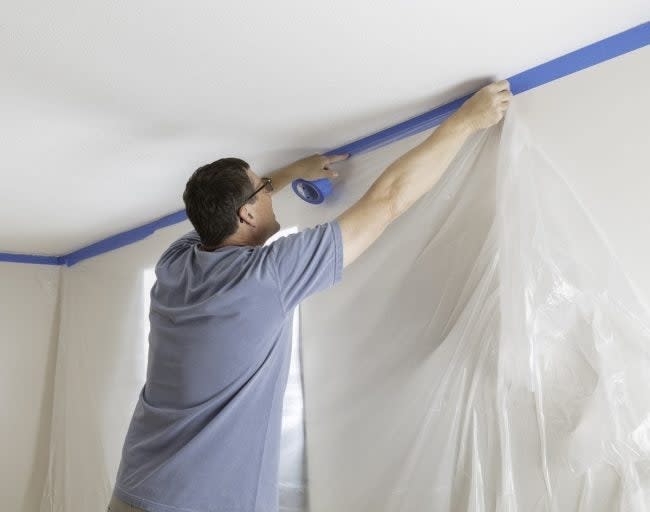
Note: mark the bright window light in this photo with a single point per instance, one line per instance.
(147, 283)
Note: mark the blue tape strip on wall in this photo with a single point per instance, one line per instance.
(315, 192)
(31, 258)
(122, 239)
(601, 51)
(595, 53)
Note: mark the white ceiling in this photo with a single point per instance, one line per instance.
(108, 107)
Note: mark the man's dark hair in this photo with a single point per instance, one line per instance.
(212, 197)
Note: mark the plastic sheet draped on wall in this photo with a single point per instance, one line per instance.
(487, 353)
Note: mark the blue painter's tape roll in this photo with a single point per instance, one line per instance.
(313, 192)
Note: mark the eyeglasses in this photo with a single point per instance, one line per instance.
(268, 185)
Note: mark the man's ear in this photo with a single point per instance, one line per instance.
(245, 215)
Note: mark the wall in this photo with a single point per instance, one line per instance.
(29, 319)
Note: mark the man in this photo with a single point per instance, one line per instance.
(205, 433)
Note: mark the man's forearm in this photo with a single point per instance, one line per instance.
(417, 171)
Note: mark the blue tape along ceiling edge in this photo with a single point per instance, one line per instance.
(124, 238)
(34, 259)
(595, 53)
(590, 55)
(107, 244)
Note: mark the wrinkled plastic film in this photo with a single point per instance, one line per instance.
(586, 356)
(487, 353)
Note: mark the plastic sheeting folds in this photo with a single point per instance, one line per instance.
(487, 353)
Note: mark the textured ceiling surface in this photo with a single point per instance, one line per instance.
(109, 107)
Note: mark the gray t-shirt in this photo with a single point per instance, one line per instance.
(205, 433)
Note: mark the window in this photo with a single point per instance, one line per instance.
(148, 280)
(292, 450)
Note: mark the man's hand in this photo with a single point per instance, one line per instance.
(311, 168)
(315, 167)
(485, 108)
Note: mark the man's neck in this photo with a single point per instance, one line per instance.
(230, 242)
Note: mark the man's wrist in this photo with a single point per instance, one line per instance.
(459, 124)
(282, 177)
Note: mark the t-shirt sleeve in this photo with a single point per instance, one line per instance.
(307, 262)
(181, 244)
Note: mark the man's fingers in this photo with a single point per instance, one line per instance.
(336, 158)
(501, 85)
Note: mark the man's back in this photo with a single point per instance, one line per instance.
(205, 432)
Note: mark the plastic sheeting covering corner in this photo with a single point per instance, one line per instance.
(487, 353)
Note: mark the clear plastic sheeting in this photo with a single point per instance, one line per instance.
(487, 353)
